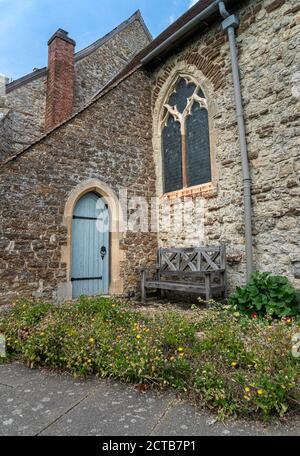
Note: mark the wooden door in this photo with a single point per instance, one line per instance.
(90, 247)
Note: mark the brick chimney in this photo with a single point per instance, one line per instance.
(61, 79)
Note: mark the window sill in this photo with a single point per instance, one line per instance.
(204, 190)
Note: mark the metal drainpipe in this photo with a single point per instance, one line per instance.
(230, 23)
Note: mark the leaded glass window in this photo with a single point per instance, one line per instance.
(185, 138)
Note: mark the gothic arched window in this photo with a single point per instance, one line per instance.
(186, 138)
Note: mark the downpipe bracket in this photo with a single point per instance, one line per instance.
(231, 21)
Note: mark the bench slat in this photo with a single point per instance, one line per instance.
(178, 285)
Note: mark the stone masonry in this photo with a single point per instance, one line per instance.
(117, 139)
(104, 142)
(267, 38)
(24, 107)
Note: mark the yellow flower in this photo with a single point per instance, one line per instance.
(247, 389)
(89, 361)
(234, 364)
(180, 349)
(92, 341)
(42, 334)
(260, 392)
(138, 337)
(247, 398)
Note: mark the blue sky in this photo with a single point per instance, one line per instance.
(26, 25)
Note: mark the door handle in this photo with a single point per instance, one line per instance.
(103, 252)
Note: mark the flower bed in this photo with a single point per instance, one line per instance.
(234, 364)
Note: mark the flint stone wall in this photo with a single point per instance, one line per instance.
(23, 109)
(268, 39)
(107, 142)
(104, 142)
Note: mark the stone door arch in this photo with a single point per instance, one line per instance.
(116, 233)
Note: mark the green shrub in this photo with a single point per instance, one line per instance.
(232, 364)
(267, 295)
(251, 370)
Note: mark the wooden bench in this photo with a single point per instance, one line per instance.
(198, 270)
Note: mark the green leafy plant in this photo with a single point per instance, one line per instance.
(229, 362)
(267, 295)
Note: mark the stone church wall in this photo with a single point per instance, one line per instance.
(94, 71)
(25, 106)
(24, 117)
(268, 39)
(104, 142)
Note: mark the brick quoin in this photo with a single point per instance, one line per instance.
(61, 79)
(213, 71)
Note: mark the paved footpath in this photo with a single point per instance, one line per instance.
(39, 402)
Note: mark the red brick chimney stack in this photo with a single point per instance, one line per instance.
(61, 79)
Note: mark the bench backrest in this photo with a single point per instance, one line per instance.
(191, 261)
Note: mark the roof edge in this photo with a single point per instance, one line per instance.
(210, 8)
(92, 47)
(83, 52)
(27, 78)
(135, 64)
(111, 85)
(144, 25)
(203, 13)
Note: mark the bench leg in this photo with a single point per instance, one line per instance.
(208, 287)
(143, 288)
(224, 283)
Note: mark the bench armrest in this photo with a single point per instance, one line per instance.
(218, 271)
(145, 272)
(151, 269)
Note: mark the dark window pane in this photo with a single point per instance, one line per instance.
(172, 156)
(184, 91)
(198, 147)
(200, 93)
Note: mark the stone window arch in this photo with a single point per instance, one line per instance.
(201, 172)
(186, 149)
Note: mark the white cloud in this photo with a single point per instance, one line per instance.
(193, 2)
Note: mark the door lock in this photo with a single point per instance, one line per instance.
(103, 252)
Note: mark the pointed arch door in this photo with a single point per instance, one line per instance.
(90, 247)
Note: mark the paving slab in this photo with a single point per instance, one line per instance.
(16, 374)
(41, 402)
(4, 389)
(113, 409)
(28, 409)
(185, 420)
